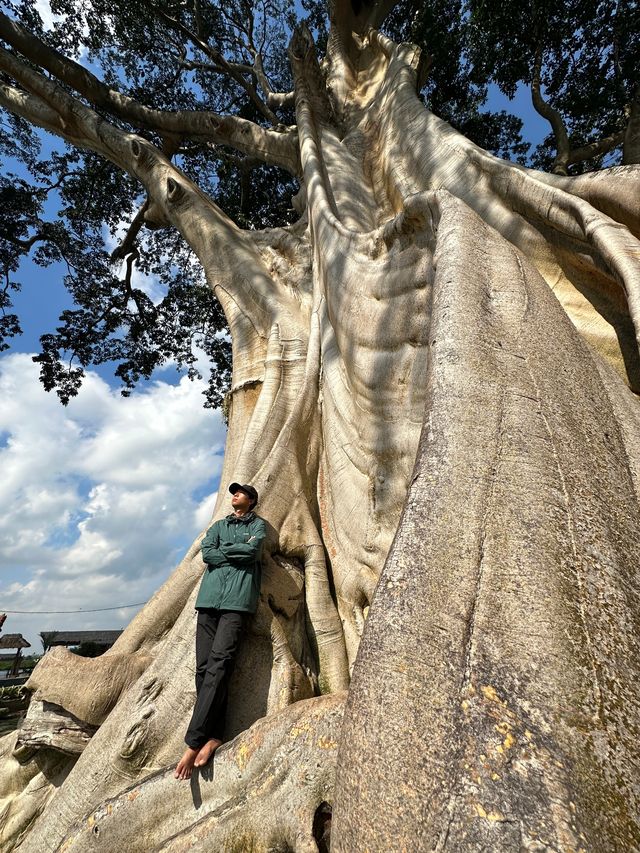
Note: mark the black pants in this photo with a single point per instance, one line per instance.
(218, 635)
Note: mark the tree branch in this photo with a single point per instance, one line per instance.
(553, 117)
(594, 149)
(131, 293)
(219, 60)
(275, 147)
(566, 155)
(24, 244)
(275, 100)
(47, 105)
(235, 23)
(229, 255)
(212, 67)
(127, 246)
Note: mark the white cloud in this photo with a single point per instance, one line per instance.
(44, 10)
(98, 501)
(204, 511)
(49, 18)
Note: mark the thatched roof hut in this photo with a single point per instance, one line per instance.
(13, 641)
(104, 639)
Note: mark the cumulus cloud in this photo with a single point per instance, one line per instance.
(98, 501)
(43, 7)
(204, 510)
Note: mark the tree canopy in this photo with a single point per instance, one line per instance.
(196, 77)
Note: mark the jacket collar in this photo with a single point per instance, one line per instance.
(237, 519)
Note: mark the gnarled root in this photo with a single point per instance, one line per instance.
(26, 788)
(51, 727)
(261, 793)
(86, 687)
(144, 731)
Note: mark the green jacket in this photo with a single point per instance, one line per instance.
(231, 549)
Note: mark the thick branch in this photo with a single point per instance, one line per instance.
(128, 244)
(47, 105)
(595, 149)
(274, 147)
(275, 100)
(225, 251)
(566, 155)
(553, 117)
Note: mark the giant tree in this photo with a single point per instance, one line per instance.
(433, 387)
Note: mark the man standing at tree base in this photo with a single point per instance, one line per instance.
(228, 594)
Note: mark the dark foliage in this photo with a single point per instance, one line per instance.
(590, 55)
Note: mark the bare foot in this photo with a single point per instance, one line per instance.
(185, 765)
(206, 752)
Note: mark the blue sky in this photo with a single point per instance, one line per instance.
(99, 500)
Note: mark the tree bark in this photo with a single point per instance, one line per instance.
(504, 631)
(430, 391)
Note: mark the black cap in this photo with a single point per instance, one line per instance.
(246, 488)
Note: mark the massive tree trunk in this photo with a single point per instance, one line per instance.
(433, 391)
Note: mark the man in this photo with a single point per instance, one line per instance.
(228, 594)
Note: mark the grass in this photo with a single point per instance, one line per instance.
(26, 664)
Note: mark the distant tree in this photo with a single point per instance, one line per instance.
(88, 649)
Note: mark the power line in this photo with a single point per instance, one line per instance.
(94, 610)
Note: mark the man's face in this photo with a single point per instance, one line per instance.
(241, 500)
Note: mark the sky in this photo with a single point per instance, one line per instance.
(100, 500)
